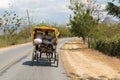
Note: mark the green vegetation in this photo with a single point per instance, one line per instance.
(113, 9)
(82, 22)
(107, 39)
(12, 31)
(21, 37)
(10, 23)
(64, 31)
(104, 37)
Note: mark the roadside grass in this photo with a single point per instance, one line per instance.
(3, 43)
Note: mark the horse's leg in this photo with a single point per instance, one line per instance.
(48, 56)
(40, 54)
(51, 55)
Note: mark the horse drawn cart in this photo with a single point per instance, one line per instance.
(45, 40)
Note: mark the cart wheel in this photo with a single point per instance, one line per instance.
(54, 58)
(57, 59)
(32, 58)
(37, 57)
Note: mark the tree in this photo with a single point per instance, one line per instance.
(82, 22)
(0, 21)
(113, 9)
(10, 24)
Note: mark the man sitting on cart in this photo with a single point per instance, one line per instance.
(48, 39)
(38, 37)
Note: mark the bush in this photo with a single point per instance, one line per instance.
(107, 40)
(110, 47)
(2, 42)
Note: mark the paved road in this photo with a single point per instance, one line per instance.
(23, 70)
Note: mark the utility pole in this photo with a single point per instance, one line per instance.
(28, 19)
(29, 24)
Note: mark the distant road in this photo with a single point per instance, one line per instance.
(15, 64)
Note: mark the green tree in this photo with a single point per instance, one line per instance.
(82, 23)
(113, 9)
(10, 24)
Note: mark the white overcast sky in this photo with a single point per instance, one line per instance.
(41, 10)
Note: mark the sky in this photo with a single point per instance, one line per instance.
(41, 10)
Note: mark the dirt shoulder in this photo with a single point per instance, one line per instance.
(82, 63)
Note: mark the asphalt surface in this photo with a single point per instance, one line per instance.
(15, 64)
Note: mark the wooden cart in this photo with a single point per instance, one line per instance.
(47, 49)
